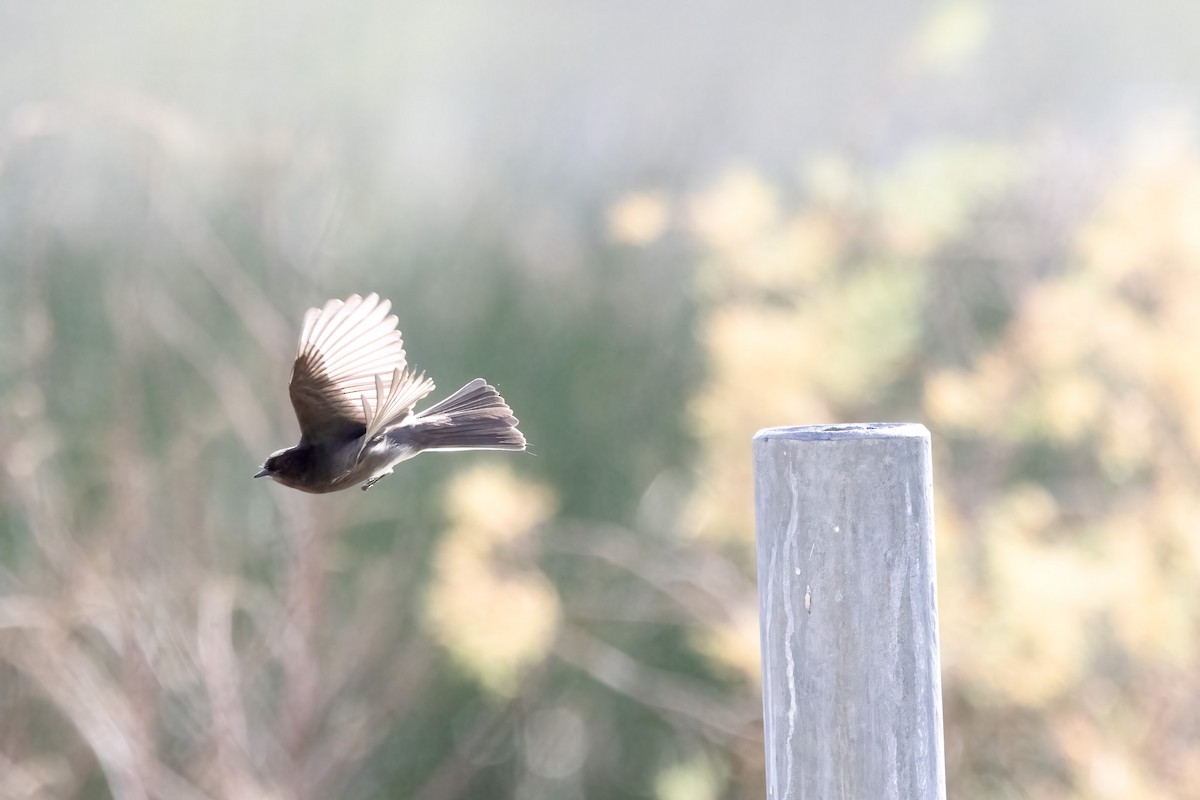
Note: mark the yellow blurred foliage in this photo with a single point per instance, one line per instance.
(734, 643)
(786, 257)
(639, 218)
(1146, 228)
(739, 206)
(1106, 769)
(489, 604)
(1032, 580)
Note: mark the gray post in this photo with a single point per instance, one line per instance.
(852, 700)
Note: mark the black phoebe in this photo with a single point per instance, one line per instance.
(354, 397)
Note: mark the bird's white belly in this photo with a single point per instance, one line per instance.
(380, 457)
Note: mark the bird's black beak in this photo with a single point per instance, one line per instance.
(262, 473)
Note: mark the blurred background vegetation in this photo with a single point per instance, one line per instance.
(656, 227)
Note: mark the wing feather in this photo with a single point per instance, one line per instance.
(345, 346)
(404, 391)
(369, 325)
(325, 315)
(341, 323)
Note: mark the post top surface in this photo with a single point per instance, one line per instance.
(864, 430)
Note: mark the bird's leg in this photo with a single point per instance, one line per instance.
(375, 480)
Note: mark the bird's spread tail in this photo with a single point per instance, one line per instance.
(473, 418)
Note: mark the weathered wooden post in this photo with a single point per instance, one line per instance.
(851, 686)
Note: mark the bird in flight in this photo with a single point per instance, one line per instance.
(355, 395)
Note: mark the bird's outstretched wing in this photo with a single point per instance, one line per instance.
(350, 355)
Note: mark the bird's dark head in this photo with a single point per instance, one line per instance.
(290, 466)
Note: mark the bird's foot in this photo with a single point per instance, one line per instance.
(375, 479)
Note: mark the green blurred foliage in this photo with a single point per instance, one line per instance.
(654, 245)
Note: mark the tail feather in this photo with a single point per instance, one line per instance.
(473, 418)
